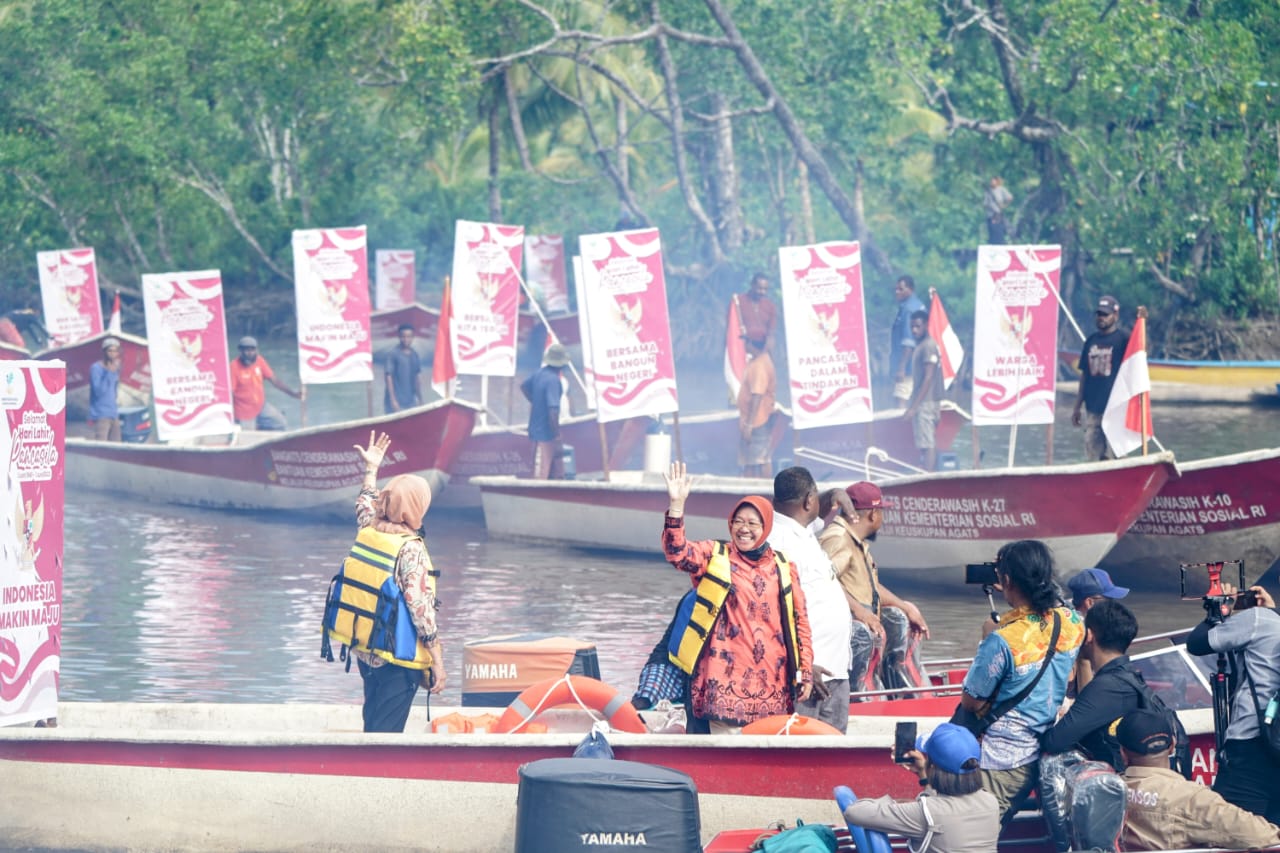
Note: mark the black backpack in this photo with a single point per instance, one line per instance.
(1148, 699)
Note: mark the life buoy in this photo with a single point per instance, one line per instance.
(587, 692)
(789, 724)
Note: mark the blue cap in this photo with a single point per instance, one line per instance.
(1093, 582)
(949, 747)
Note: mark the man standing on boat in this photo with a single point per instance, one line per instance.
(759, 313)
(925, 405)
(797, 510)
(404, 374)
(1099, 362)
(756, 399)
(104, 384)
(901, 343)
(248, 394)
(543, 389)
(882, 620)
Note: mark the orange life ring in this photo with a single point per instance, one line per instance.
(590, 693)
(789, 724)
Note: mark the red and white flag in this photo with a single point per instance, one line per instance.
(945, 337)
(1127, 419)
(113, 325)
(443, 370)
(735, 349)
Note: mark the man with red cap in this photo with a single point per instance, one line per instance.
(882, 620)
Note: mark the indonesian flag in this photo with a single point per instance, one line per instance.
(735, 350)
(945, 337)
(113, 325)
(1127, 419)
(443, 370)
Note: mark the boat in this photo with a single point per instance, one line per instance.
(887, 431)
(135, 370)
(313, 470)
(1221, 508)
(292, 776)
(1176, 380)
(383, 325)
(939, 520)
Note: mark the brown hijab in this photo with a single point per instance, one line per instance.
(402, 504)
(765, 508)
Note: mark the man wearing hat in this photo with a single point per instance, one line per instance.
(248, 395)
(953, 814)
(1087, 589)
(882, 620)
(104, 383)
(1099, 362)
(1165, 811)
(543, 389)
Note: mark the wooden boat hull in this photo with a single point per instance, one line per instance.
(135, 370)
(312, 470)
(297, 777)
(940, 521)
(1221, 508)
(1200, 381)
(383, 324)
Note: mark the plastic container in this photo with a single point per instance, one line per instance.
(657, 452)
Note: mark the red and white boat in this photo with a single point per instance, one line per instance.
(1221, 508)
(135, 369)
(383, 324)
(311, 470)
(290, 777)
(940, 520)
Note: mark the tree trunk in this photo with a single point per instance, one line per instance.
(806, 202)
(729, 218)
(495, 155)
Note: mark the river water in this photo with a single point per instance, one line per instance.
(179, 604)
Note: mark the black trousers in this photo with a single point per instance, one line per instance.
(388, 696)
(1248, 777)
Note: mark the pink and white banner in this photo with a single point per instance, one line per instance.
(826, 327)
(584, 334)
(626, 298)
(1015, 332)
(331, 290)
(187, 342)
(33, 397)
(485, 297)
(395, 280)
(69, 294)
(544, 271)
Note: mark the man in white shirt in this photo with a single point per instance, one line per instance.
(798, 512)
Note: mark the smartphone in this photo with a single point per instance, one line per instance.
(981, 573)
(904, 740)
(1246, 599)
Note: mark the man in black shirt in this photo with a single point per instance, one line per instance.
(1116, 688)
(1099, 362)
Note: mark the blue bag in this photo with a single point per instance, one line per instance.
(802, 838)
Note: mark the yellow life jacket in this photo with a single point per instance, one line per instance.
(698, 613)
(365, 609)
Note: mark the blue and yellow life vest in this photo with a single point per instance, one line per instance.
(365, 609)
(698, 612)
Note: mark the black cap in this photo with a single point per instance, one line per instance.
(1145, 732)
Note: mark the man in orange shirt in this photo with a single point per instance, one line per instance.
(248, 395)
(756, 400)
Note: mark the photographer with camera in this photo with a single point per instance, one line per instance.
(1250, 635)
(1018, 678)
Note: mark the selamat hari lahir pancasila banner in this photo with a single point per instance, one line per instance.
(485, 297)
(331, 291)
(395, 279)
(69, 295)
(33, 397)
(626, 300)
(187, 343)
(1015, 334)
(826, 328)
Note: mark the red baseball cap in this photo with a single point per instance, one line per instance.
(867, 495)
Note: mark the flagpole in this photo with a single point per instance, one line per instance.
(537, 309)
(1144, 399)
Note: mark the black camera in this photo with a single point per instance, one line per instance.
(981, 573)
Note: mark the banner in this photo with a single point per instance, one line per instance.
(331, 290)
(187, 342)
(544, 271)
(485, 297)
(33, 397)
(626, 291)
(1015, 329)
(396, 282)
(69, 294)
(826, 328)
(584, 334)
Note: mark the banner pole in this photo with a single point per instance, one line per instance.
(604, 450)
(302, 404)
(675, 434)
(368, 388)
(484, 400)
(537, 309)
